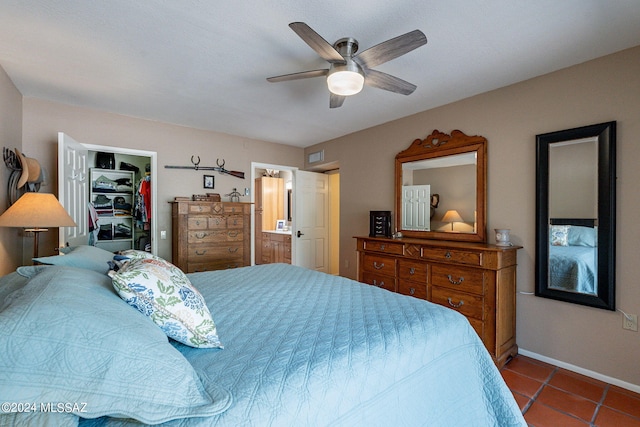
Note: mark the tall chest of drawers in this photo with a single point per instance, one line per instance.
(477, 280)
(210, 235)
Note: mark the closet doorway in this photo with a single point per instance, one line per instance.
(128, 225)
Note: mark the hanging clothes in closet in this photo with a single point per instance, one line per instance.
(142, 212)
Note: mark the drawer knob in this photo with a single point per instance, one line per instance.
(452, 304)
(375, 283)
(233, 250)
(382, 247)
(200, 252)
(412, 291)
(232, 234)
(412, 271)
(201, 235)
(447, 255)
(455, 282)
(378, 266)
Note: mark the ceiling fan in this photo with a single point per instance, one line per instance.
(349, 70)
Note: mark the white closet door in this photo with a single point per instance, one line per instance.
(416, 207)
(73, 189)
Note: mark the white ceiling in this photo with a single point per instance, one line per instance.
(203, 63)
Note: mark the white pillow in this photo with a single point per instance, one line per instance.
(160, 290)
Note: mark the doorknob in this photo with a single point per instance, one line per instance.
(299, 233)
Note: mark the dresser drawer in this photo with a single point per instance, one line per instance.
(458, 278)
(468, 304)
(237, 209)
(478, 326)
(379, 264)
(208, 253)
(235, 221)
(380, 280)
(453, 255)
(210, 222)
(214, 236)
(197, 208)
(387, 247)
(418, 290)
(412, 270)
(199, 222)
(195, 267)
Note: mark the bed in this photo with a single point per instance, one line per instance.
(573, 255)
(296, 348)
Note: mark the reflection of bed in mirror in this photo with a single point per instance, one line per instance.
(573, 255)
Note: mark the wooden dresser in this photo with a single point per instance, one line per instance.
(475, 279)
(211, 235)
(276, 247)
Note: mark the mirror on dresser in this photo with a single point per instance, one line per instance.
(575, 215)
(441, 188)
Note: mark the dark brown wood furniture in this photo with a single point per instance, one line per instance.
(211, 235)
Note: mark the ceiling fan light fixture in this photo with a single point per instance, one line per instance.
(345, 80)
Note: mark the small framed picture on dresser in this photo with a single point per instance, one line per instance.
(208, 181)
(280, 225)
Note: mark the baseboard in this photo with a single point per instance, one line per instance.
(591, 374)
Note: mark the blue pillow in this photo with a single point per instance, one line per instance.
(66, 336)
(83, 256)
(582, 236)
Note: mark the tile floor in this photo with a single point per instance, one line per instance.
(550, 396)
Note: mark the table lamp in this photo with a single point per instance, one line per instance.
(452, 216)
(35, 212)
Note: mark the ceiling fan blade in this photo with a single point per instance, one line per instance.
(336, 101)
(391, 49)
(388, 82)
(316, 42)
(298, 76)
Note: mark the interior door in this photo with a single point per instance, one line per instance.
(416, 207)
(310, 220)
(73, 189)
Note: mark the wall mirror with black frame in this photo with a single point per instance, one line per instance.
(575, 215)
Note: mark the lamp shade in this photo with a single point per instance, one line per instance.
(452, 216)
(36, 210)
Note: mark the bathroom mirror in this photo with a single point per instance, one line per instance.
(441, 188)
(575, 215)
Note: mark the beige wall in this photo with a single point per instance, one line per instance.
(174, 144)
(597, 91)
(11, 137)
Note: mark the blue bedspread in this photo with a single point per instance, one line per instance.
(573, 268)
(308, 349)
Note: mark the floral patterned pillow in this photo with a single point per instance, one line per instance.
(136, 254)
(559, 235)
(161, 291)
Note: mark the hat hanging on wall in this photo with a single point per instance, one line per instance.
(31, 169)
(26, 174)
